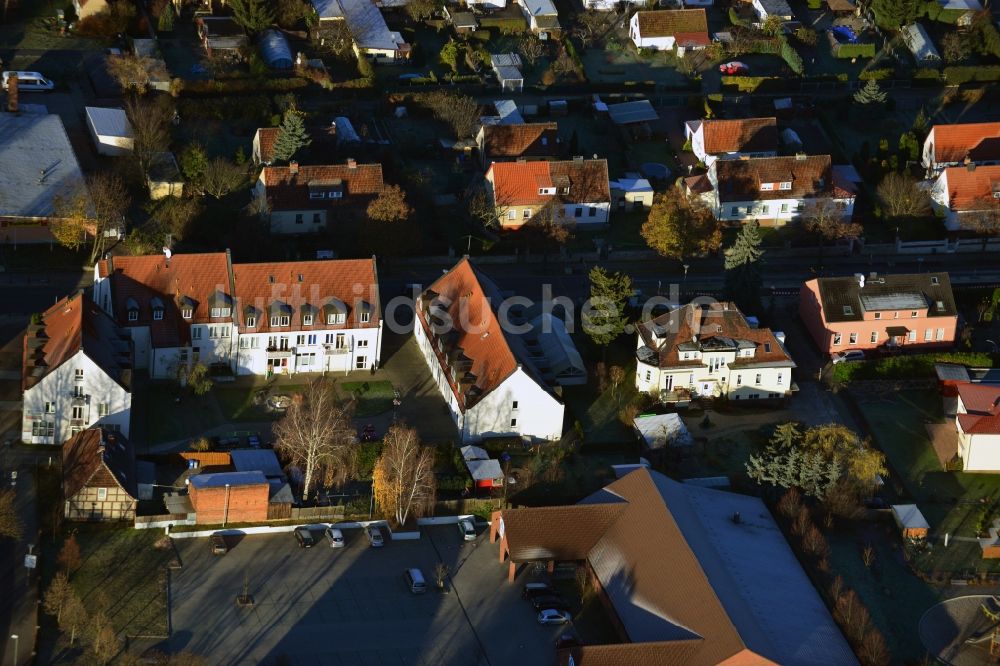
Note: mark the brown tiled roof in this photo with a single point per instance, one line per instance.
(321, 136)
(531, 537)
(671, 22)
(194, 279)
(525, 140)
(475, 332)
(747, 135)
(302, 286)
(972, 190)
(518, 183)
(290, 191)
(837, 292)
(977, 141)
(90, 451)
(74, 324)
(982, 404)
(740, 180)
(699, 184)
(666, 333)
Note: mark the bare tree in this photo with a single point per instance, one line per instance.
(105, 644)
(901, 196)
(484, 209)
(317, 435)
(131, 71)
(823, 218)
(222, 177)
(461, 112)
(150, 120)
(74, 616)
(403, 480)
(531, 49)
(985, 220)
(91, 210)
(588, 27)
(10, 523)
(57, 596)
(69, 555)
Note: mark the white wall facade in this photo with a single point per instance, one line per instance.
(781, 211)
(609, 5)
(67, 401)
(587, 213)
(321, 350)
(980, 453)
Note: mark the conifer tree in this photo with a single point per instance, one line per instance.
(872, 93)
(742, 263)
(291, 138)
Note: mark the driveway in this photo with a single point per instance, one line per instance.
(351, 606)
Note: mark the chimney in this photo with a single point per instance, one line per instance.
(970, 165)
(293, 167)
(800, 157)
(352, 163)
(578, 158)
(12, 91)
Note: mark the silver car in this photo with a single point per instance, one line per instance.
(553, 616)
(335, 537)
(374, 535)
(467, 529)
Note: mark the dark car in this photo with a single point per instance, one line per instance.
(218, 544)
(549, 601)
(304, 537)
(532, 590)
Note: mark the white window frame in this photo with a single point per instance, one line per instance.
(853, 338)
(102, 494)
(787, 185)
(837, 339)
(307, 320)
(939, 335)
(251, 322)
(874, 337)
(78, 374)
(928, 334)
(133, 315)
(187, 313)
(366, 317)
(766, 187)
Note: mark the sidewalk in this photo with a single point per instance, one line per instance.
(18, 585)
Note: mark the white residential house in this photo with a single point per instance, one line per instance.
(542, 17)
(578, 189)
(773, 190)
(252, 319)
(967, 193)
(960, 144)
(491, 380)
(76, 372)
(667, 29)
(977, 422)
(711, 351)
(768, 8)
(732, 139)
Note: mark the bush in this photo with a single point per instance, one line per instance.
(748, 84)
(506, 25)
(791, 56)
(854, 51)
(917, 366)
(735, 19)
(964, 74)
(481, 35)
(876, 74)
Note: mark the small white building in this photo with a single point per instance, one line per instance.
(962, 194)
(713, 139)
(610, 5)
(919, 42)
(977, 422)
(492, 385)
(765, 9)
(507, 68)
(76, 373)
(662, 430)
(666, 29)
(711, 351)
(631, 192)
(542, 17)
(110, 131)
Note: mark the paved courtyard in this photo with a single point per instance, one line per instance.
(351, 606)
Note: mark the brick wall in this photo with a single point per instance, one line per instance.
(247, 504)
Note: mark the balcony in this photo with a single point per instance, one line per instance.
(275, 352)
(79, 399)
(333, 350)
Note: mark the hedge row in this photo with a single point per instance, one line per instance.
(876, 74)
(854, 51)
(958, 75)
(919, 366)
(506, 25)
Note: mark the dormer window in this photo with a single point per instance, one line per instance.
(157, 314)
(878, 315)
(766, 187)
(934, 280)
(133, 315)
(848, 310)
(317, 195)
(767, 347)
(280, 320)
(187, 313)
(366, 317)
(251, 321)
(787, 185)
(156, 305)
(307, 320)
(336, 318)
(221, 312)
(132, 307)
(546, 191)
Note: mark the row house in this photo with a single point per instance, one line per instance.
(301, 199)
(100, 476)
(960, 144)
(490, 380)
(76, 373)
(879, 312)
(254, 319)
(732, 139)
(773, 190)
(967, 196)
(578, 191)
(711, 351)
(667, 29)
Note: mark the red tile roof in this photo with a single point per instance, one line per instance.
(474, 333)
(194, 279)
(518, 183)
(694, 325)
(525, 140)
(674, 23)
(87, 452)
(972, 190)
(266, 136)
(75, 324)
(303, 286)
(287, 190)
(978, 141)
(810, 176)
(746, 135)
(982, 402)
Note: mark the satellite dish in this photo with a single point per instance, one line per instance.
(166, 252)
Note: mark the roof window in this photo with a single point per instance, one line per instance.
(848, 310)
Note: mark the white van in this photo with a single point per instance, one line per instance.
(28, 81)
(415, 581)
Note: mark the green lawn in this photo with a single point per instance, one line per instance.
(598, 413)
(949, 500)
(122, 569)
(166, 419)
(373, 398)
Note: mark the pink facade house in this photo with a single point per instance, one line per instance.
(884, 313)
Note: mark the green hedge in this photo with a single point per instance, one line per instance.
(876, 74)
(735, 19)
(244, 86)
(747, 84)
(983, 73)
(791, 56)
(506, 25)
(854, 51)
(919, 366)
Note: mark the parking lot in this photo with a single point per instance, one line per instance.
(351, 605)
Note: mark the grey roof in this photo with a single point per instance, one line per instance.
(909, 517)
(541, 8)
(470, 452)
(37, 162)
(776, 7)
(275, 50)
(256, 460)
(367, 25)
(279, 492)
(844, 299)
(505, 60)
(507, 110)
(109, 122)
(660, 430)
(328, 9)
(951, 372)
(483, 470)
(178, 504)
(223, 479)
(640, 111)
(919, 43)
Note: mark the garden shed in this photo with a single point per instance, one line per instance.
(919, 42)
(507, 67)
(164, 179)
(485, 471)
(110, 130)
(910, 521)
(661, 430)
(275, 51)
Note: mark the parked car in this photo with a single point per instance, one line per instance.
(335, 537)
(532, 590)
(467, 529)
(734, 68)
(374, 535)
(305, 537)
(848, 355)
(28, 81)
(549, 601)
(415, 581)
(567, 641)
(218, 544)
(553, 616)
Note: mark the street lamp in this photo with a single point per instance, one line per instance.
(686, 267)
(15, 637)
